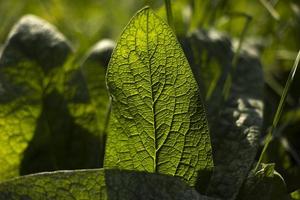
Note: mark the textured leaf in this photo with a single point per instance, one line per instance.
(235, 125)
(78, 184)
(31, 53)
(98, 184)
(158, 122)
(265, 184)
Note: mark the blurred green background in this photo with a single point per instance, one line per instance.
(274, 28)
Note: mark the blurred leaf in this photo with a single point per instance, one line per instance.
(62, 139)
(292, 177)
(49, 116)
(277, 154)
(158, 122)
(210, 55)
(236, 124)
(86, 94)
(94, 71)
(265, 184)
(182, 16)
(292, 116)
(32, 52)
(236, 132)
(296, 195)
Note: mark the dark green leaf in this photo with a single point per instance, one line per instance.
(129, 185)
(235, 133)
(210, 54)
(265, 184)
(235, 124)
(158, 122)
(98, 184)
(292, 177)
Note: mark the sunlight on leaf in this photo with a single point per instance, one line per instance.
(158, 121)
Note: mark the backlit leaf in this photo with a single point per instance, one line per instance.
(158, 122)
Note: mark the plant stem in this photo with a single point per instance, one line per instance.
(169, 14)
(279, 109)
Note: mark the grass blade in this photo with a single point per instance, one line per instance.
(279, 109)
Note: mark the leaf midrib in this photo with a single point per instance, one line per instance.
(152, 97)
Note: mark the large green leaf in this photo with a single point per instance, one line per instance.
(158, 122)
(32, 52)
(264, 184)
(97, 184)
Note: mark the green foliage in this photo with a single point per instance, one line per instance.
(295, 195)
(27, 65)
(158, 122)
(46, 120)
(280, 106)
(264, 184)
(98, 184)
(147, 123)
(79, 184)
(236, 130)
(235, 123)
